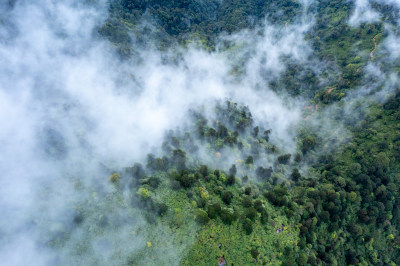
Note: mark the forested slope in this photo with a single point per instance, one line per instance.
(221, 181)
(188, 132)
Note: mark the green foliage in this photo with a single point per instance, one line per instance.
(307, 144)
(343, 209)
(202, 216)
(251, 213)
(144, 193)
(214, 210)
(115, 177)
(248, 226)
(249, 160)
(227, 197)
(254, 253)
(258, 205)
(283, 159)
(153, 182)
(295, 175)
(247, 202)
(184, 21)
(231, 180)
(227, 215)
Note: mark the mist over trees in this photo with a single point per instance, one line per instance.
(190, 132)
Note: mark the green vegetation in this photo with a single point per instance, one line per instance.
(344, 210)
(162, 23)
(223, 182)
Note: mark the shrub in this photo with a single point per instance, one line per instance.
(247, 190)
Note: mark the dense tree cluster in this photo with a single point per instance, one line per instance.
(183, 20)
(343, 206)
(347, 214)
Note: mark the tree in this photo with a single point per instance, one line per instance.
(251, 213)
(203, 170)
(307, 144)
(248, 226)
(258, 205)
(213, 210)
(232, 170)
(246, 202)
(264, 216)
(249, 160)
(302, 259)
(202, 216)
(295, 176)
(201, 203)
(231, 180)
(227, 197)
(179, 158)
(264, 173)
(136, 171)
(187, 180)
(227, 216)
(266, 135)
(255, 131)
(283, 159)
(144, 193)
(115, 177)
(254, 253)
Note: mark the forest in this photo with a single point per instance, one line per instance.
(239, 132)
(343, 209)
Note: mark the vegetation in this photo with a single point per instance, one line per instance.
(222, 181)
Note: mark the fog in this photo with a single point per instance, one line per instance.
(363, 13)
(72, 113)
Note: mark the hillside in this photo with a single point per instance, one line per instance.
(193, 132)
